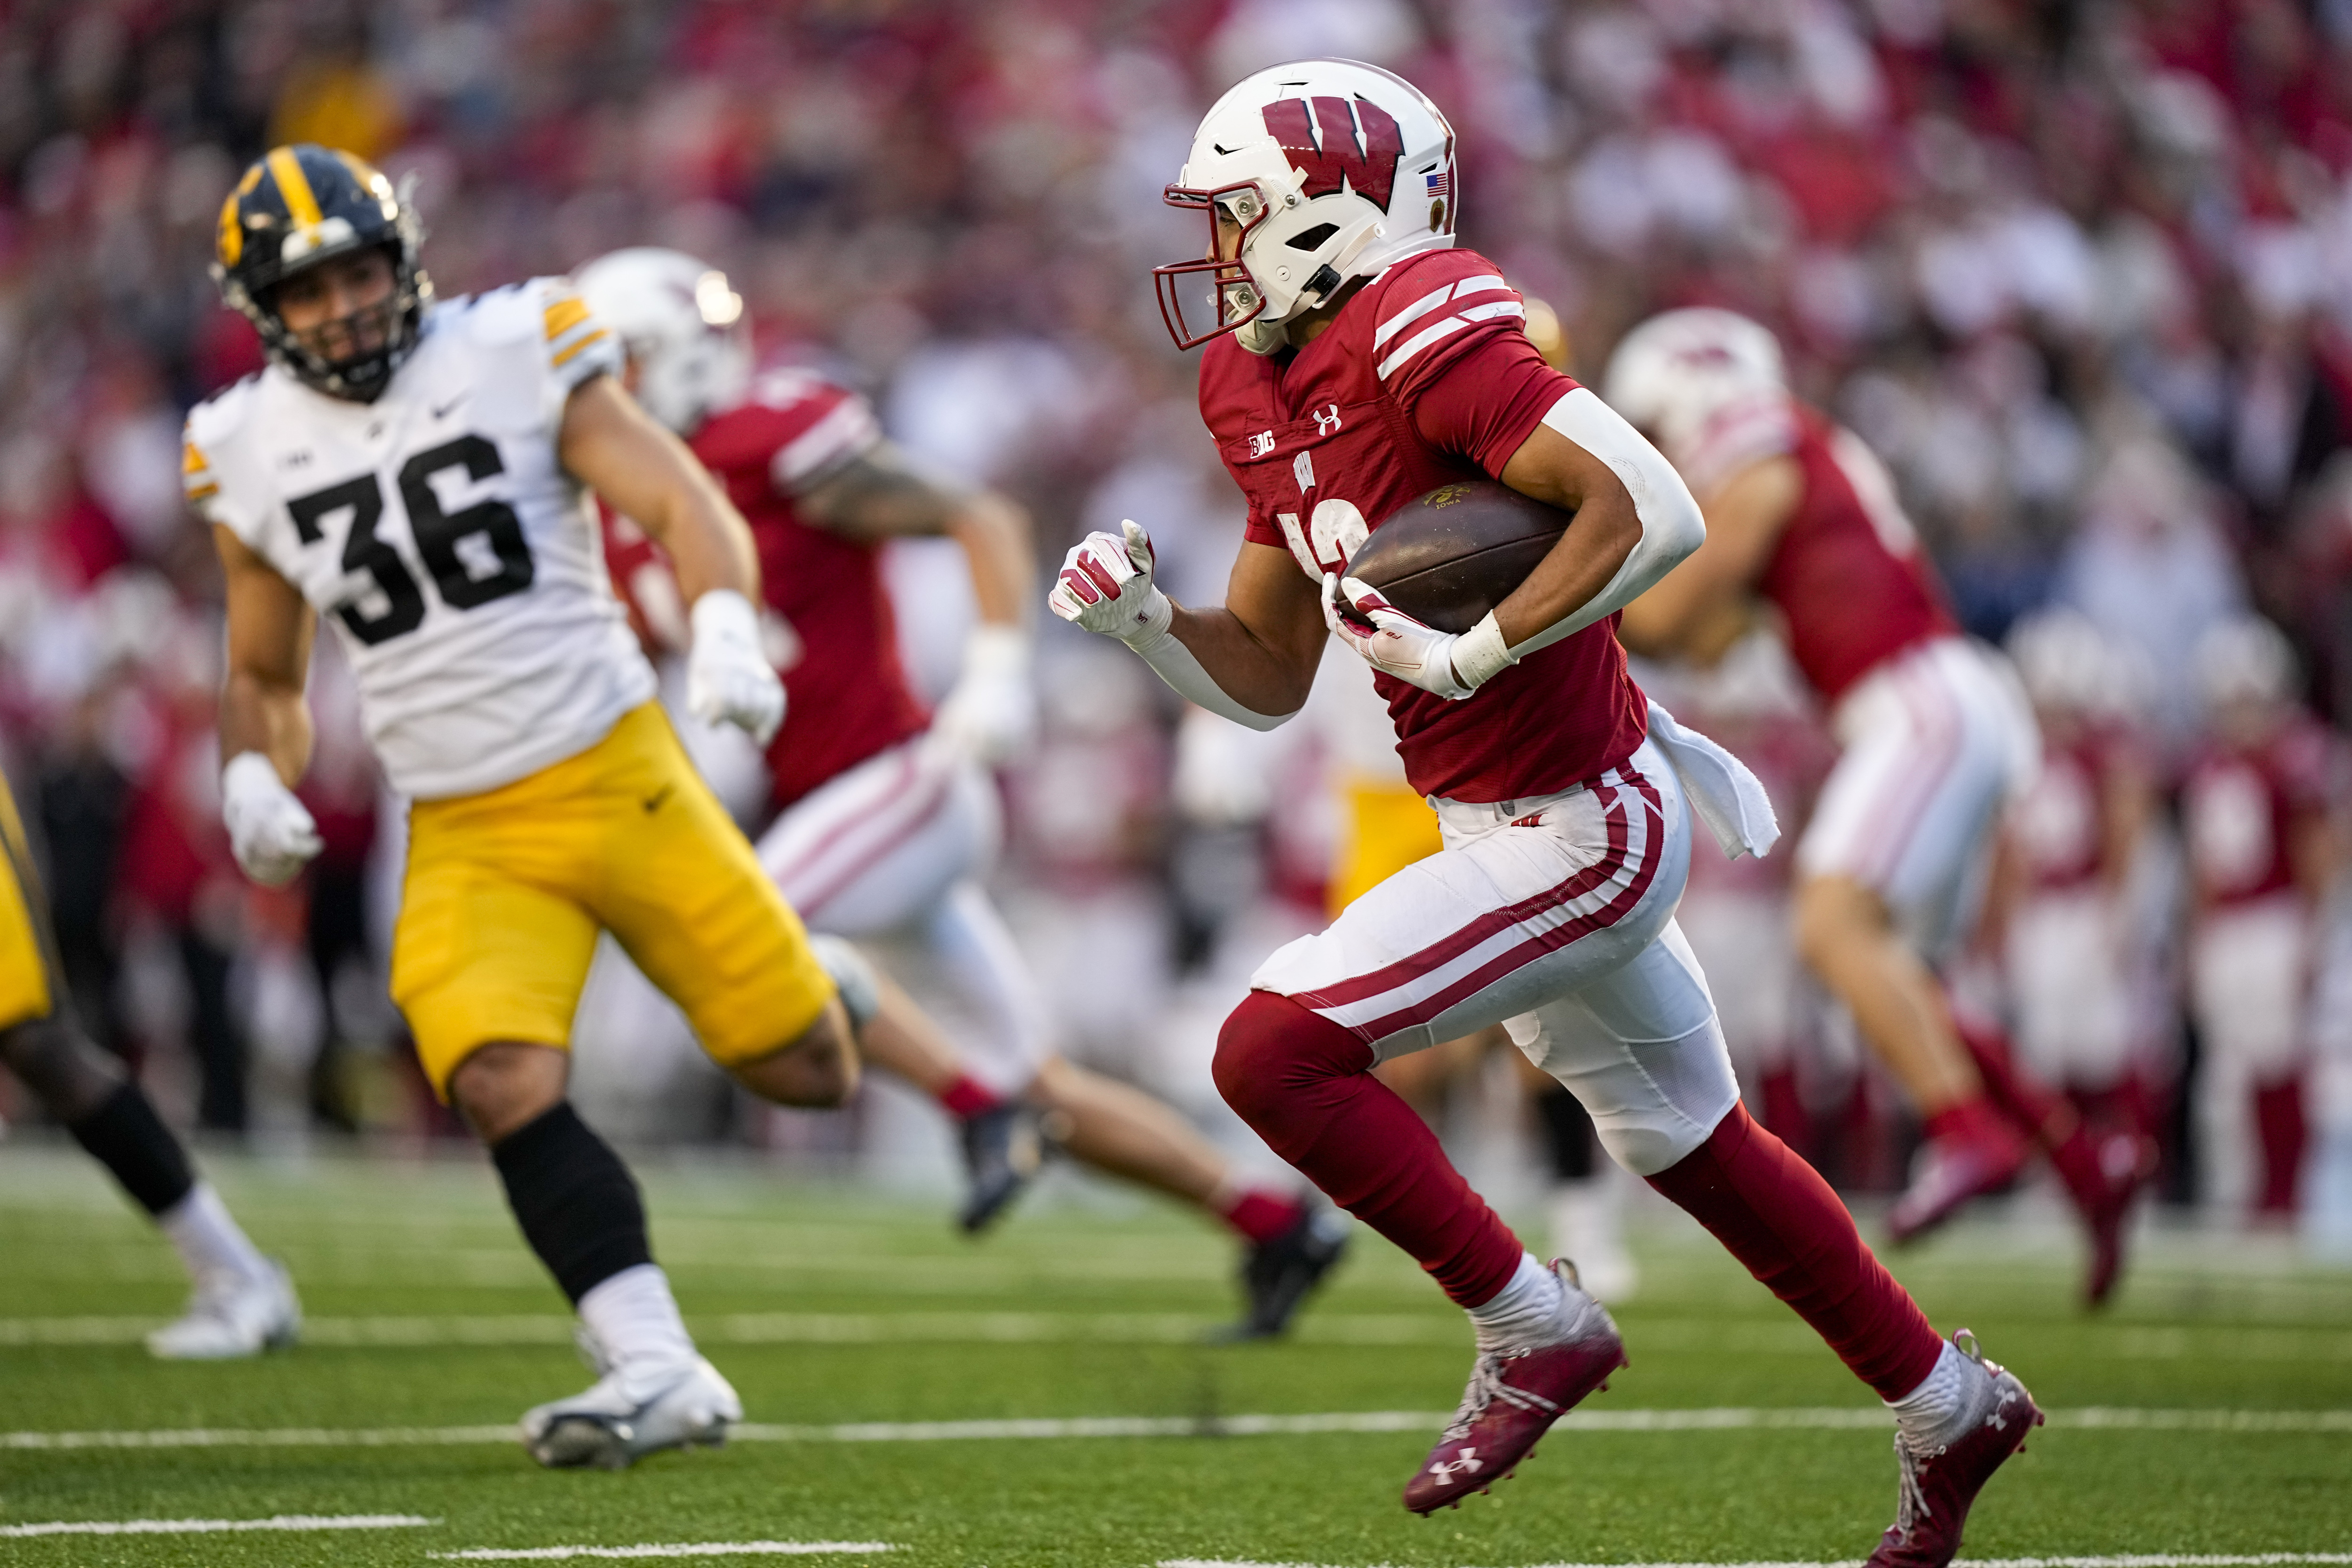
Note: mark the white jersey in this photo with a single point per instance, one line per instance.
(437, 531)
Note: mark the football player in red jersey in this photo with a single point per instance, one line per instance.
(2262, 856)
(887, 819)
(2071, 844)
(1356, 361)
(1933, 737)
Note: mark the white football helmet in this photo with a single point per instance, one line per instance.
(1330, 170)
(2244, 660)
(682, 326)
(1675, 374)
(2064, 661)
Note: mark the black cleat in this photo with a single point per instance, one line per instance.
(1279, 1275)
(1004, 1149)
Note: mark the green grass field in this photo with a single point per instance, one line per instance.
(2210, 1414)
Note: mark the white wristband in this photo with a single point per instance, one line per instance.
(251, 776)
(1479, 655)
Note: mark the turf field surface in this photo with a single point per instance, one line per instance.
(1042, 1398)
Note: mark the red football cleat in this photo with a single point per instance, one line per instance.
(1978, 1155)
(1938, 1485)
(1513, 1399)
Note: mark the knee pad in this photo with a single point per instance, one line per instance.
(853, 976)
(1270, 1044)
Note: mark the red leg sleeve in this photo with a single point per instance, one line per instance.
(1777, 1215)
(1305, 1085)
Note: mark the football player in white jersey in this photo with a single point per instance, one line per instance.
(417, 472)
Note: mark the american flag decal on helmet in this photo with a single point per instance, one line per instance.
(1440, 183)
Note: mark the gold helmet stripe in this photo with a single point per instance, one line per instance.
(301, 206)
(232, 232)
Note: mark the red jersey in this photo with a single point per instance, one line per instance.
(846, 695)
(1847, 572)
(2060, 825)
(1424, 377)
(2240, 805)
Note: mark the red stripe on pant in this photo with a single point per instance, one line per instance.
(1775, 1214)
(1305, 1085)
(1455, 943)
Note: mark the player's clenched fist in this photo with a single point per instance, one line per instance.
(1390, 640)
(1105, 586)
(270, 830)
(729, 679)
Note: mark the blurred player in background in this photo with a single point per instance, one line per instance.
(2263, 853)
(416, 471)
(1355, 362)
(2071, 844)
(1935, 736)
(242, 1302)
(888, 817)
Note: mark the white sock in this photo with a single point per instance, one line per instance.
(209, 1239)
(635, 1321)
(1926, 1414)
(1526, 1313)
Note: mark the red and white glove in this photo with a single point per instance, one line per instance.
(1440, 663)
(1105, 586)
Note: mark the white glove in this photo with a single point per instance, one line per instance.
(990, 713)
(270, 830)
(729, 679)
(1104, 586)
(1440, 663)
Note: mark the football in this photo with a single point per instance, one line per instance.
(1451, 555)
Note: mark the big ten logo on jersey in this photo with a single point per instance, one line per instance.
(1261, 443)
(471, 544)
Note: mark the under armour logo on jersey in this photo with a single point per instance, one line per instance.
(1327, 420)
(1261, 444)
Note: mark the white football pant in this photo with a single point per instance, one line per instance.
(1933, 743)
(1553, 916)
(897, 844)
(2249, 975)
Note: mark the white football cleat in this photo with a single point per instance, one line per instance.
(230, 1317)
(625, 1416)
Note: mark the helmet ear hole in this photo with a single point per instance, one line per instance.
(1312, 239)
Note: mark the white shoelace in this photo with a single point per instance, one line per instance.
(1486, 1385)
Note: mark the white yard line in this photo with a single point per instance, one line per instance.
(1733, 1418)
(430, 1330)
(217, 1526)
(2146, 1560)
(681, 1549)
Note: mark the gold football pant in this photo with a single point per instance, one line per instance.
(507, 889)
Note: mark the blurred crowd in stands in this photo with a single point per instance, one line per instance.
(2080, 272)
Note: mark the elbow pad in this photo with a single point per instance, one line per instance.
(1672, 527)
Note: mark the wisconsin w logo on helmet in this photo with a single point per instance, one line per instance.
(1371, 172)
(1311, 174)
(299, 207)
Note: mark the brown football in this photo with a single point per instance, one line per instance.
(1451, 555)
